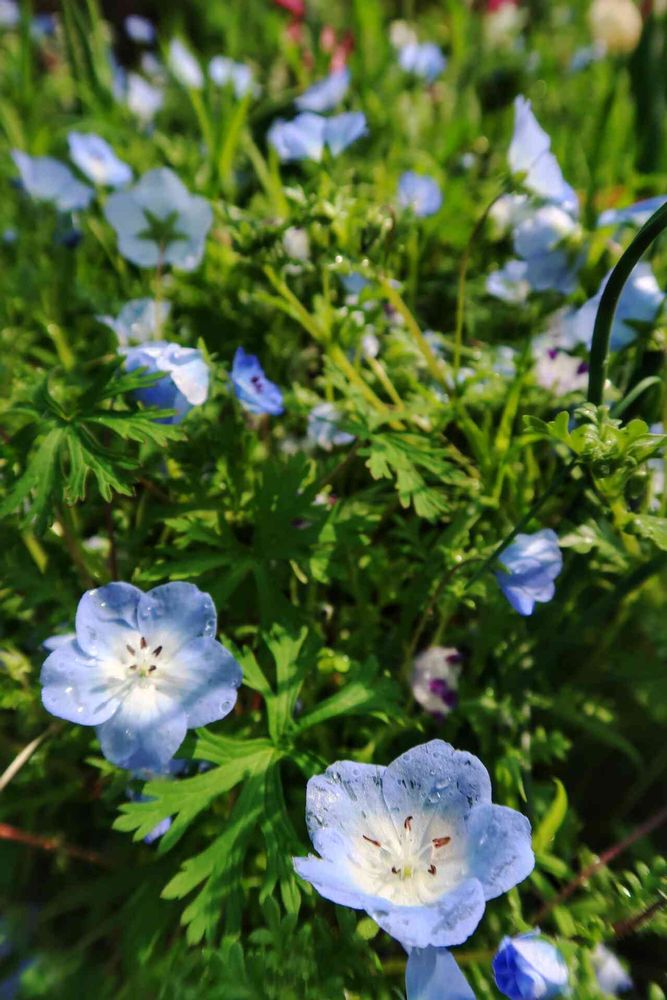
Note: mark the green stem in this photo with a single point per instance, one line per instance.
(612, 293)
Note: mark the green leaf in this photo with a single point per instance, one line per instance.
(647, 526)
(552, 820)
(366, 694)
(40, 478)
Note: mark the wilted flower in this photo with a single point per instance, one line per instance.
(144, 669)
(139, 320)
(143, 99)
(640, 302)
(531, 564)
(139, 29)
(425, 60)
(323, 427)
(252, 388)
(509, 283)
(632, 215)
(186, 377)
(184, 65)
(46, 179)
(610, 974)
(305, 137)
(159, 222)
(530, 157)
(417, 844)
(435, 679)
(96, 159)
(528, 967)
(432, 974)
(616, 24)
(326, 94)
(419, 193)
(223, 71)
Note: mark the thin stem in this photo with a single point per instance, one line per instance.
(51, 844)
(624, 927)
(24, 756)
(432, 361)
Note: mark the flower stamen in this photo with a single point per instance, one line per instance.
(441, 841)
(408, 823)
(375, 843)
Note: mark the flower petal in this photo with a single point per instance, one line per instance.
(146, 731)
(432, 974)
(499, 848)
(203, 678)
(77, 687)
(339, 801)
(104, 618)
(176, 613)
(448, 922)
(332, 882)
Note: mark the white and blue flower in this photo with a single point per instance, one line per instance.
(186, 377)
(419, 193)
(184, 65)
(531, 564)
(252, 388)
(307, 135)
(432, 974)
(326, 94)
(425, 60)
(225, 72)
(96, 159)
(139, 29)
(46, 179)
(531, 158)
(323, 427)
(138, 321)
(528, 967)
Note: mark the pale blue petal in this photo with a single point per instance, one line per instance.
(325, 94)
(76, 687)
(203, 677)
(432, 974)
(337, 800)
(175, 613)
(301, 139)
(97, 160)
(104, 618)
(499, 848)
(449, 921)
(342, 130)
(332, 882)
(184, 65)
(420, 193)
(510, 283)
(529, 141)
(126, 215)
(146, 731)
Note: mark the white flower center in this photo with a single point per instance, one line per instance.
(413, 865)
(141, 661)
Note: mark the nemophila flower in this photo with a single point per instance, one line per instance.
(546, 238)
(432, 974)
(560, 372)
(144, 669)
(305, 137)
(610, 974)
(186, 377)
(435, 679)
(96, 159)
(640, 303)
(323, 427)
(506, 213)
(633, 215)
(418, 845)
(425, 60)
(528, 967)
(420, 193)
(224, 71)
(531, 564)
(184, 65)
(326, 94)
(143, 99)
(509, 283)
(10, 14)
(138, 321)
(56, 641)
(158, 221)
(46, 179)
(252, 388)
(616, 24)
(530, 157)
(139, 29)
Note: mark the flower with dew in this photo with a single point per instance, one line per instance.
(326, 94)
(159, 222)
(528, 967)
(640, 303)
(509, 283)
(138, 321)
(185, 381)
(424, 60)
(96, 159)
(139, 29)
(418, 845)
(143, 669)
(323, 428)
(531, 564)
(419, 193)
(531, 158)
(225, 72)
(633, 215)
(184, 65)
(616, 24)
(46, 179)
(144, 99)
(435, 679)
(307, 135)
(610, 974)
(252, 388)
(432, 974)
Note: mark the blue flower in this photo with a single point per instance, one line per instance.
(184, 65)
(326, 94)
(143, 669)
(530, 156)
(323, 429)
(633, 215)
(640, 302)
(158, 221)
(96, 159)
(254, 391)
(10, 14)
(418, 845)
(529, 968)
(432, 974)
(142, 98)
(139, 320)
(305, 137)
(541, 237)
(421, 194)
(610, 974)
(186, 377)
(223, 71)
(532, 563)
(46, 179)
(139, 29)
(425, 60)
(509, 283)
